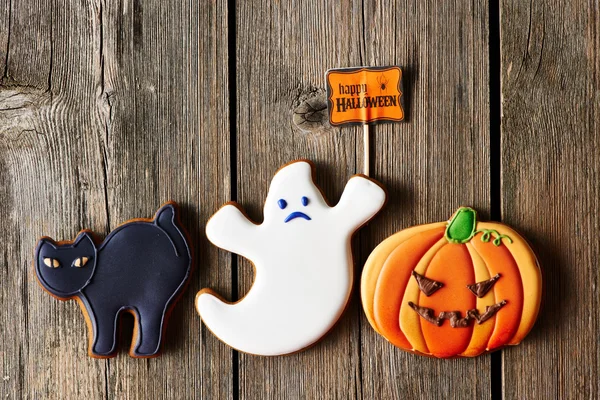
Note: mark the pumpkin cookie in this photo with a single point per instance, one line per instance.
(452, 289)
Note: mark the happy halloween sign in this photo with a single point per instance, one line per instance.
(364, 95)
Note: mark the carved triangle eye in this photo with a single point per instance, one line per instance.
(80, 262)
(51, 262)
(480, 289)
(427, 286)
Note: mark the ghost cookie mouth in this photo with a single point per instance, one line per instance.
(297, 214)
(455, 316)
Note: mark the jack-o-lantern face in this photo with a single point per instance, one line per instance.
(452, 289)
(479, 289)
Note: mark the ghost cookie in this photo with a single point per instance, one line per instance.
(141, 268)
(452, 289)
(303, 262)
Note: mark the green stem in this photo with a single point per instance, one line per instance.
(461, 227)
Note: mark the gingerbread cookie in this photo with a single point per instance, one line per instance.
(141, 267)
(303, 262)
(452, 289)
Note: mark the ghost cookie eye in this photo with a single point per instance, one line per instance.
(282, 203)
(304, 201)
(51, 262)
(80, 262)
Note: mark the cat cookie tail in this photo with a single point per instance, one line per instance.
(167, 219)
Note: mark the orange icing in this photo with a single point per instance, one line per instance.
(393, 279)
(453, 267)
(500, 261)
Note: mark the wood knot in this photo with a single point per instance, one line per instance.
(310, 116)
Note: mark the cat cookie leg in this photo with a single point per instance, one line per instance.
(230, 230)
(104, 337)
(149, 333)
(361, 200)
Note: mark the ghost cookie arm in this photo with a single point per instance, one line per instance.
(231, 230)
(361, 200)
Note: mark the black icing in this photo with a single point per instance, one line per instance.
(140, 267)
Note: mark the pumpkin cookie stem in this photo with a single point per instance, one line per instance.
(461, 227)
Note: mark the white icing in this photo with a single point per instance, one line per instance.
(304, 271)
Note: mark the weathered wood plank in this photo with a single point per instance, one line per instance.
(5, 15)
(550, 163)
(431, 164)
(449, 167)
(31, 37)
(107, 110)
(165, 71)
(282, 54)
(51, 183)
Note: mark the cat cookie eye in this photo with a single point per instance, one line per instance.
(80, 262)
(51, 262)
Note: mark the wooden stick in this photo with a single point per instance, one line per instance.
(366, 148)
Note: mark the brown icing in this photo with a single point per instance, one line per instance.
(455, 316)
(490, 311)
(427, 286)
(426, 314)
(480, 289)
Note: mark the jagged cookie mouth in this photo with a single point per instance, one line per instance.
(455, 316)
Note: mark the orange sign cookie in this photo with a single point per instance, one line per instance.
(363, 95)
(452, 289)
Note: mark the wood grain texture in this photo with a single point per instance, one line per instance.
(5, 23)
(165, 75)
(283, 51)
(550, 164)
(52, 184)
(431, 164)
(107, 110)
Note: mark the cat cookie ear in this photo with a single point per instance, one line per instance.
(84, 241)
(46, 241)
(46, 246)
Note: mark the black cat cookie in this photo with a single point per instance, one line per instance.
(141, 267)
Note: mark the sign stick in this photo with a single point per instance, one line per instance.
(364, 95)
(366, 145)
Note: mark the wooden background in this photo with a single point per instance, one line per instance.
(110, 107)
